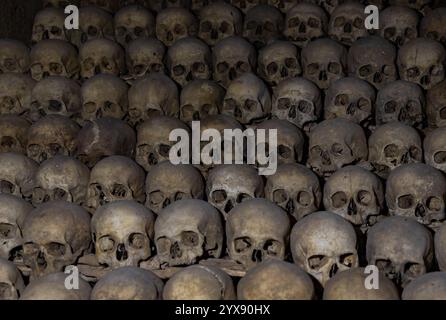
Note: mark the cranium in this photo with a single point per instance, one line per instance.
(432, 25)
(145, 56)
(123, 233)
(109, 5)
(15, 93)
(133, 22)
(401, 248)
(186, 231)
(420, 5)
(324, 244)
(94, 23)
(17, 174)
(436, 105)
(13, 133)
(175, 23)
(435, 149)
(347, 23)
(11, 281)
(55, 235)
(49, 24)
(399, 24)
(14, 56)
(263, 24)
(429, 286)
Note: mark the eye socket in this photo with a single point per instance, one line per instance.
(56, 68)
(341, 100)
(180, 195)
(272, 247)
(415, 152)
(207, 109)
(390, 107)
(88, 64)
(250, 105)
(106, 244)
(339, 199)
(178, 70)
(365, 71)
(434, 203)
(179, 29)
(317, 261)
(304, 106)
(206, 26)
(283, 103)
(92, 31)
(413, 72)
(199, 67)
(314, 23)
(269, 26)
(7, 231)
(291, 63)
(413, 269)
(224, 27)
(242, 66)
(138, 31)
(312, 68)
(284, 152)
(55, 249)
(348, 259)
(164, 150)
(383, 264)
(293, 22)
(391, 151)
(90, 107)
(358, 23)
(222, 67)
(304, 198)
(316, 150)
(406, 201)
(364, 197)
(30, 248)
(241, 244)
(272, 68)
(337, 149)
(190, 238)
(119, 190)
(229, 104)
(137, 240)
(219, 196)
(280, 196)
(389, 33)
(187, 110)
(334, 67)
(33, 150)
(156, 197)
(242, 197)
(60, 194)
(363, 104)
(440, 157)
(339, 22)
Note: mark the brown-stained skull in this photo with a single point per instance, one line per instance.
(347, 23)
(436, 105)
(263, 24)
(13, 133)
(17, 174)
(145, 56)
(399, 24)
(14, 56)
(11, 281)
(175, 23)
(109, 5)
(432, 25)
(435, 149)
(430, 286)
(15, 93)
(94, 23)
(133, 22)
(49, 24)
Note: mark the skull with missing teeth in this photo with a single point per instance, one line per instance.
(49, 24)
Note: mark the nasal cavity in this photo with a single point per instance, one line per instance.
(55, 106)
(333, 270)
(257, 256)
(6, 187)
(121, 252)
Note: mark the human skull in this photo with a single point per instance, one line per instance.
(232, 57)
(13, 133)
(399, 24)
(401, 101)
(420, 5)
(49, 24)
(15, 93)
(295, 189)
(109, 5)
(432, 25)
(436, 105)
(17, 174)
(152, 96)
(393, 144)
(104, 95)
(134, 284)
(153, 143)
(278, 61)
(347, 23)
(54, 58)
(250, 243)
(440, 247)
(299, 101)
(102, 138)
(401, 248)
(324, 61)
(56, 95)
(199, 99)
(435, 149)
(55, 235)
(324, 244)
(189, 59)
(14, 56)
(247, 99)
(115, 178)
(123, 233)
(305, 22)
(427, 69)
(133, 22)
(175, 23)
(145, 56)
(167, 183)
(50, 136)
(186, 231)
(373, 59)
(11, 281)
(199, 282)
(334, 144)
(94, 23)
(61, 178)
(218, 21)
(275, 280)
(263, 24)
(429, 286)
(417, 191)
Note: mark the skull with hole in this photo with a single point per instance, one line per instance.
(14, 56)
(13, 211)
(15, 93)
(355, 194)
(417, 191)
(189, 59)
(334, 144)
(349, 285)
(134, 284)
(290, 140)
(59, 3)
(109, 5)
(373, 59)
(167, 183)
(61, 178)
(232, 57)
(123, 234)
(440, 247)
(55, 235)
(393, 144)
(101, 56)
(49, 24)
(422, 6)
(199, 99)
(173, 24)
(263, 24)
(199, 282)
(247, 99)
(430, 286)
(347, 23)
(218, 21)
(187, 231)
(399, 24)
(17, 174)
(275, 280)
(145, 56)
(153, 143)
(278, 61)
(115, 178)
(11, 281)
(425, 69)
(102, 138)
(435, 149)
(228, 185)
(245, 5)
(104, 95)
(152, 96)
(50, 136)
(401, 248)
(432, 25)
(324, 244)
(401, 101)
(13, 133)
(295, 188)
(324, 61)
(436, 105)
(133, 22)
(54, 58)
(251, 243)
(305, 22)
(56, 95)
(94, 23)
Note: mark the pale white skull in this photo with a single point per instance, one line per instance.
(347, 23)
(14, 56)
(15, 93)
(263, 24)
(11, 281)
(49, 24)
(13, 133)
(399, 24)
(430, 286)
(436, 105)
(145, 56)
(17, 174)
(175, 23)
(435, 149)
(133, 22)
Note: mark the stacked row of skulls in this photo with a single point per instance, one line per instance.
(85, 118)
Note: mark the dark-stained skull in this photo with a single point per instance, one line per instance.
(133, 22)
(14, 56)
(432, 25)
(399, 24)
(263, 24)
(13, 133)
